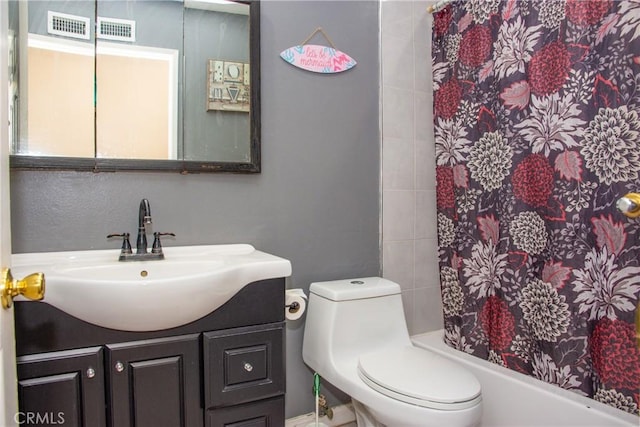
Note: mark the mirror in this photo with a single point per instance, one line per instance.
(135, 85)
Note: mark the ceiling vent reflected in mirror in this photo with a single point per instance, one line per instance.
(62, 24)
(123, 30)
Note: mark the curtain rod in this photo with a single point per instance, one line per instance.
(438, 6)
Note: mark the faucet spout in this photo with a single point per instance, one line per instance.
(144, 218)
(156, 253)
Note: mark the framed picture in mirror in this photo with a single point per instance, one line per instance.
(228, 86)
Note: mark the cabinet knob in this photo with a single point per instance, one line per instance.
(248, 367)
(119, 367)
(91, 373)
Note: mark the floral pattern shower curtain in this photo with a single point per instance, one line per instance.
(537, 128)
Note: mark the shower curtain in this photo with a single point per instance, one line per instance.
(537, 132)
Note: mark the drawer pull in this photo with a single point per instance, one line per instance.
(119, 367)
(248, 367)
(91, 373)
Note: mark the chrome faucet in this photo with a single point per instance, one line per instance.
(144, 218)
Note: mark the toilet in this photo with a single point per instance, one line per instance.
(356, 338)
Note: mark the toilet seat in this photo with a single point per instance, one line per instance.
(419, 377)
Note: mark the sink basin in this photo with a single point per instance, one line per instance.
(191, 282)
(136, 272)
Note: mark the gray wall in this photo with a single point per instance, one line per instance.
(316, 201)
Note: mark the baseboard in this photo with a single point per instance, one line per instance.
(343, 416)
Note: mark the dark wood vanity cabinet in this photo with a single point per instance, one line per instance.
(226, 369)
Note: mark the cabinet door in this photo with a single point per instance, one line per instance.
(264, 413)
(62, 388)
(155, 383)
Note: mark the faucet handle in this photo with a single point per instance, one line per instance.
(126, 246)
(157, 246)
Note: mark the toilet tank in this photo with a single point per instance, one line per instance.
(346, 318)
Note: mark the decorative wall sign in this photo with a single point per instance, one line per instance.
(228, 85)
(317, 58)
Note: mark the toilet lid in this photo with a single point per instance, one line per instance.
(420, 377)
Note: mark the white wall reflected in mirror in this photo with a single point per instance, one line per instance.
(137, 89)
(60, 98)
(137, 108)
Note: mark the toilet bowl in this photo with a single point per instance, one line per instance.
(356, 338)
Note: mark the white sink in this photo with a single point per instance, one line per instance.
(191, 282)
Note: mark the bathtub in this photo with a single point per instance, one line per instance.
(512, 399)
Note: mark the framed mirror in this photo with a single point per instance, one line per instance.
(153, 85)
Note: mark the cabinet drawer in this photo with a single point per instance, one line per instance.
(265, 413)
(243, 364)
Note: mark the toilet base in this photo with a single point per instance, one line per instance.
(364, 418)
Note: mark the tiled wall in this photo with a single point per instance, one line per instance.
(409, 238)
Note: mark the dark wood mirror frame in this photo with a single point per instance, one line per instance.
(19, 162)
